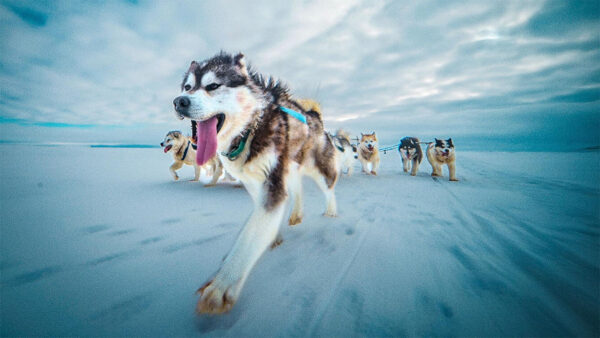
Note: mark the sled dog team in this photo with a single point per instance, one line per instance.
(249, 126)
(439, 153)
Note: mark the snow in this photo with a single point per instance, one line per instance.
(102, 242)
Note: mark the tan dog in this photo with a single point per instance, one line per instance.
(368, 153)
(439, 153)
(184, 152)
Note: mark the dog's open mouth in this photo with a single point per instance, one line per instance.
(207, 138)
(167, 148)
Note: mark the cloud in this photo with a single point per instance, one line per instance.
(432, 66)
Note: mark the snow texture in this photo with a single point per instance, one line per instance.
(102, 242)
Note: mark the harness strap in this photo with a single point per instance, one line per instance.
(185, 151)
(233, 154)
(298, 116)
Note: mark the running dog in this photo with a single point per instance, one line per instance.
(345, 151)
(184, 152)
(439, 153)
(368, 153)
(265, 139)
(411, 154)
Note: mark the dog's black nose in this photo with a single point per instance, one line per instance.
(181, 103)
(161, 144)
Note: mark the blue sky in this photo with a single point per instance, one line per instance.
(516, 74)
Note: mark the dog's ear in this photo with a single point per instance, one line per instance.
(193, 66)
(240, 61)
(450, 142)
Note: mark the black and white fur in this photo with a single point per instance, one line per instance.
(345, 151)
(411, 153)
(279, 150)
(439, 153)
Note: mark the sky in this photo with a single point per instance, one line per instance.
(489, 74)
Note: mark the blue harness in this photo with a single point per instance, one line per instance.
(233, 154)
(294, 114)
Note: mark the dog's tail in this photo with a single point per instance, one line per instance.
(310, 104)
(342, 134)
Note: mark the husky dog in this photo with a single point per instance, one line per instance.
(368, 153)
(411, 153)
(184, 152)
(345, 151)
(266, 140)
(439, 153)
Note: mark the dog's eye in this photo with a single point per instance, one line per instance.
(212, 86)
(187, 87)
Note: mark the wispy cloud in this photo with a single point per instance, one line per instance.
(428, 67)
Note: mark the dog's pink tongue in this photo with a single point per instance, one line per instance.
(207, 140)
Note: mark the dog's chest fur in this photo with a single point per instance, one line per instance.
(275, 139)
(367, 154)
(441, 158)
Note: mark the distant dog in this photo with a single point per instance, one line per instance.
(439, 153)
(345, 151)
(265, 139)
(184, 152)
(411, 154)
(368, 153)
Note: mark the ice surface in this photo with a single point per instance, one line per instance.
(101, 241)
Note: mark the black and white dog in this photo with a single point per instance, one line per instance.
(411, 153)
(265, 139)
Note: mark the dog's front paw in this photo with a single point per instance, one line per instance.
(216, 298)
(454, 179)
(195, 180)
(329, 213)
(373, 172)
(176, 178)
(210, 185)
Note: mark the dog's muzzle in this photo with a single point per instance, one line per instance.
(182, 105)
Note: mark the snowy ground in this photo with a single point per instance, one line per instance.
(103, 242)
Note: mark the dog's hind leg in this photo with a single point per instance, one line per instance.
(175, 166)
(222, 291)
(295, 188)
(327, 185)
